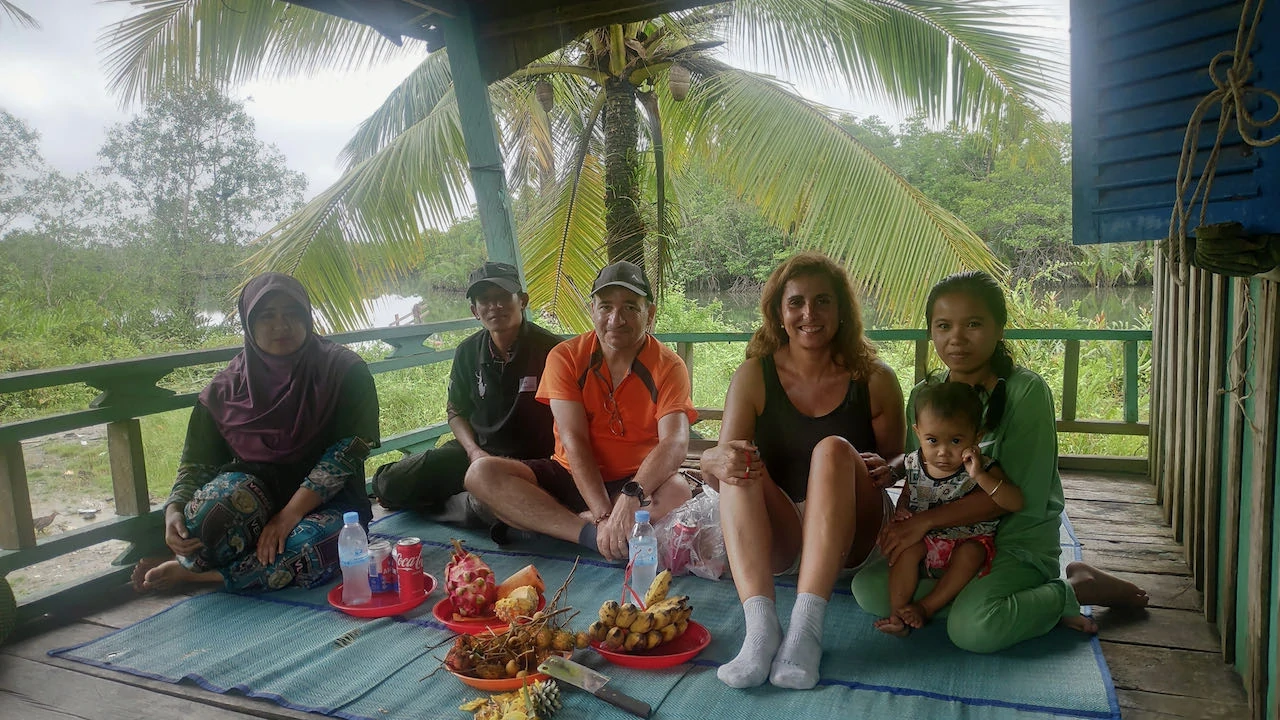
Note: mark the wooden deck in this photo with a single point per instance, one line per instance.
(1165, 662)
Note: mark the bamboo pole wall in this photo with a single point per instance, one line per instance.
(1214, 459)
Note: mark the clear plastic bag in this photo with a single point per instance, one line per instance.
(690, 539)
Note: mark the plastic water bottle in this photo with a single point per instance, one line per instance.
(353, 554)
(643, 548)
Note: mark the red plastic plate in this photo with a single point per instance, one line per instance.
(681, 650)
(500, 685)
(443, 611)
(383, 604)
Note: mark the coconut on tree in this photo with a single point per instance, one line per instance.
(596, 137)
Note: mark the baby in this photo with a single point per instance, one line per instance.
(947, 467)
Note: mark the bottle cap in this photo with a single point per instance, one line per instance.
(350, 518)
(642, 516)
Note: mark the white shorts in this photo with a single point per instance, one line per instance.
(889, 507)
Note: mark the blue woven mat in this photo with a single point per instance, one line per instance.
(281, 646)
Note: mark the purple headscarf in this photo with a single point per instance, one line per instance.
(273, 408)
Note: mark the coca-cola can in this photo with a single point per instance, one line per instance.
(681, 547)
(409, 568)
(382, 567)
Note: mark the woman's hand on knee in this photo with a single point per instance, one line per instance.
(736, 462)
(176, 535)
(879, 469)
(271, 541)
(897, 536)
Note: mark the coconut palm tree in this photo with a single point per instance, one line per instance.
(598, 183)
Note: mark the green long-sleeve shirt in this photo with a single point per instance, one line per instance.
(1026, 444)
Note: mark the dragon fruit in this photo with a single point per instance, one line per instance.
(469, 583)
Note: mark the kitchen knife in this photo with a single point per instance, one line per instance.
(581, 676)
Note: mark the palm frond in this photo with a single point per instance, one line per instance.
(412, 100)
(825, 188)
(952, 59)
(18, 15)
(379, 205)
(563, 242)
(229, 43)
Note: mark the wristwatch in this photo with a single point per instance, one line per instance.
(633, 489)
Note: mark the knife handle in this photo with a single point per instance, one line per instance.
(626, 702)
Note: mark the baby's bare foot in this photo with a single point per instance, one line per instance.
(892, 625)
(914, 615)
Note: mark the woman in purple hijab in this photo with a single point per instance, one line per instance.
(274, 455)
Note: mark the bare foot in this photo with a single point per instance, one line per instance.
(1080, 623)
(1095, 587)
(914, 615)
(144, 566)
(892, 625)
(170, 574)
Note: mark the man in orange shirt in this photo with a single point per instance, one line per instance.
(622, 407)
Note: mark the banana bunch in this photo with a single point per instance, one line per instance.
(625, 627)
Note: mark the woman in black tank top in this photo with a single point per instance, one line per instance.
(813, 424)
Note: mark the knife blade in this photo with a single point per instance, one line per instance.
(583, 677)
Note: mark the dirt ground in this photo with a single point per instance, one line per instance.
(73, 504)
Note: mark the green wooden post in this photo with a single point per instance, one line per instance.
(685, 351)
(922, 360)
(17, 530)
(481, 138)
(1070, 380)
(1131, 381)
(128, 467)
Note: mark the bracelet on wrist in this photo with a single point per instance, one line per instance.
(603, 517)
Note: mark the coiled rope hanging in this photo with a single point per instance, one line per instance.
(1232, 92)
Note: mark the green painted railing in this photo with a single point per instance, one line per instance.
(129, 391)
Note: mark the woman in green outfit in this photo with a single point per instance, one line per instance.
(1024, 595)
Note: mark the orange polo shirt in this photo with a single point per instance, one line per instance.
(657, 385)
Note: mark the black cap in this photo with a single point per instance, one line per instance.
(623, 274)
(501, 274)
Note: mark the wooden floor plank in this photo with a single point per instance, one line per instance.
(1173, 672)
(1139, 705)
(1168, 591)
(1123, 514)
(35, 649)
(29, 689)
(1101, 530)
(1113, 561)
(1160, 627)
(1075, 490)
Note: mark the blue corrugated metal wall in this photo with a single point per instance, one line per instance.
(1138, 71)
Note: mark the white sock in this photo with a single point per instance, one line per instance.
(796, 665)
(751, 666)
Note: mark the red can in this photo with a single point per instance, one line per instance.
(682, 538)
(409, 568)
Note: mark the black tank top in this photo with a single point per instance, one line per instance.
(786, 437)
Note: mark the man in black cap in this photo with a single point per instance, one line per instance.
(492, 409)
(622, 406)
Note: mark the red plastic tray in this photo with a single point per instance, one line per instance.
(681, 650)
(383, 604)
(443, 611)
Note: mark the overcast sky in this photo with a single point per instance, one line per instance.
(52, 78)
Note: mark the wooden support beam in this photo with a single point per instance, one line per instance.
(1177, 442)
(1198, 378)
(480, 135)
(1266, 368)
(1155, 447)
(128, 467)
(1217, 339)
(922, 360)
(685, 351)
(1070, 380)
(1227, 616)
(17, 530)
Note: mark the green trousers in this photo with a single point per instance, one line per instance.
(1016, 601)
